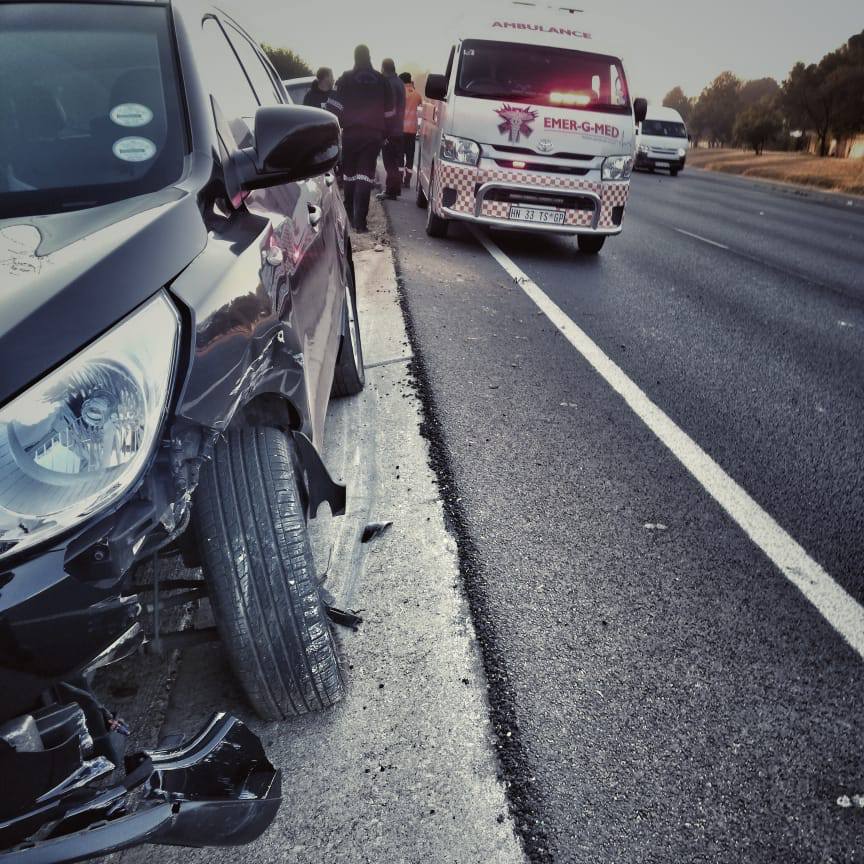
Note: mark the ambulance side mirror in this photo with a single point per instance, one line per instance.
(436, 87)
(640, 109)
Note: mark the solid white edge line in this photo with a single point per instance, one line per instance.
(835, 605)
(703, 239)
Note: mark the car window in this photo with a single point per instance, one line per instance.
(227, 83)
(90, 108)
(262, 83)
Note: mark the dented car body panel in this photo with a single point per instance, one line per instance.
(257, 285)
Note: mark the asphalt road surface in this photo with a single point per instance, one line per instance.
(662, 688)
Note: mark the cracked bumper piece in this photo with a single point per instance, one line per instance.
(217, 790)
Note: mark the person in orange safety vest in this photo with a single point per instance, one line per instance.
(413, 100)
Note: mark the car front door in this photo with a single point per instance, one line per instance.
(268, 299)
(309, 244)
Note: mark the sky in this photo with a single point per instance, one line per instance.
(662, 42)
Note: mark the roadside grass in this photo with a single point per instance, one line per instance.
(835, 175)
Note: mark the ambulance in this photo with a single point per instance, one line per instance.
(531, 128)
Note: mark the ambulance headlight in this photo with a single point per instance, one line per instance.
(459, 150)
(682, 152)
(643, 150)
(617, 167)
(74, 442)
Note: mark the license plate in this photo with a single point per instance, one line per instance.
(543, 215)
(662, 164)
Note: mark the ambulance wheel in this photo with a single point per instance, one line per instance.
(590, 244)
(435, 225)
(421, 199)
(673, 172)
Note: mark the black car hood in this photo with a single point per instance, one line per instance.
(66, 278)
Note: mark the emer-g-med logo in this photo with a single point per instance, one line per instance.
(582, 127)
(515, 122)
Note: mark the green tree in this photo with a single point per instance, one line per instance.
(286, 62)
(809, 100)
(846, 79)
(757, 125)
(715, 112)
(759, 90)
(677, 99)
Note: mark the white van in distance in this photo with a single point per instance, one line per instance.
(663, 141)
(531, 128)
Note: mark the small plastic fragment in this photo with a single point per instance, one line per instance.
(345, 618)
(374, 530)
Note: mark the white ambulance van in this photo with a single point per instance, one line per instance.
(531, 128)
(662, 141)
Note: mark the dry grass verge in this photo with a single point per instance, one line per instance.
(834, 175)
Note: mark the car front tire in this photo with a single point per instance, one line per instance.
(590, 244)
(251, 530)
(435, 225)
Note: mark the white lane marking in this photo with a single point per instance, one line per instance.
(835, 605)
(703, 239)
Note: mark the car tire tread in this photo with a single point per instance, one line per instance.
(258, 563)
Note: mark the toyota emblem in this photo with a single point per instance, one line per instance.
(544, 145)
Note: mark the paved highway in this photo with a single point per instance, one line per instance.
(649, 459)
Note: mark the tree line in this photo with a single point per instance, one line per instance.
(824, 99)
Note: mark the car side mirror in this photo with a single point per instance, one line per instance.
(292, 143)
(436, 87)
(640, 109)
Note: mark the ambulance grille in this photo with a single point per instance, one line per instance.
(542, 199)
(525, 151)
(539, 166)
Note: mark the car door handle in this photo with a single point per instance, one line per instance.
(315, 214)
(329, 178)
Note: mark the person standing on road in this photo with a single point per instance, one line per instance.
(363, 102)
(413, 100)
(321, 88)
(394, 144)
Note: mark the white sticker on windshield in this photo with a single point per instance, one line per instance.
(131, 114)
(134, 149)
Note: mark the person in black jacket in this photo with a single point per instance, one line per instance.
(319, 92)
(394, 141)
(362, 101)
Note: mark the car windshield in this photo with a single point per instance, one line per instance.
(664, 128)
(298, 92)
(89, 105)
(544, 76)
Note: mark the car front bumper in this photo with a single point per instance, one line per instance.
(218, 789)
(654, 160)
(484, 196)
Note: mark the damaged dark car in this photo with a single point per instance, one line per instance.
(177, 308)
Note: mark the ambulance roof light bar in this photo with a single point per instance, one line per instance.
(571, 9)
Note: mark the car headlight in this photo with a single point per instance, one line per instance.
(461, 150)
(643, 149)
(78, 439)
(617, 167)
(682, 152)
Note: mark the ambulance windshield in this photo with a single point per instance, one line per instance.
(541, 75)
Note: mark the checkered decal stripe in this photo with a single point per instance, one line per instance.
(463, 179)
(614, 195)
